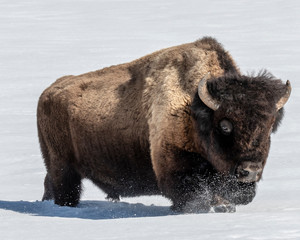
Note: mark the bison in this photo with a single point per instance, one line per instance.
(182, 122)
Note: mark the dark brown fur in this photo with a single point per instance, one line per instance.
(140, 128)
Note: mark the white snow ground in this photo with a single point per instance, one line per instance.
(43, 40)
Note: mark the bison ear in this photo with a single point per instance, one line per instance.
(286, 96)
(205, 96)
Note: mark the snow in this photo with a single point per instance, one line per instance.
(43, 40)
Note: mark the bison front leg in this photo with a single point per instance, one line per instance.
(188, 193)
(180, 178)
(220, 205)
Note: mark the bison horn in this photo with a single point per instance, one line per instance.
(205, 96)
(286, 96)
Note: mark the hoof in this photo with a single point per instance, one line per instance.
(224, 208)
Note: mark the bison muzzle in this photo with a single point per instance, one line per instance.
(182, 122)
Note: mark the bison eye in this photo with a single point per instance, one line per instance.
(226, 126)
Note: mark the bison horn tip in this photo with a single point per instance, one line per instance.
(205, 96)
(282, 101)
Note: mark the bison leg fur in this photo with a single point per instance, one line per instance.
(191, 198)
(48, 192)
(220, 205)
(186, 190)
(64, 186)
(67, 188)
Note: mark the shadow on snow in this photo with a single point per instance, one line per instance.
(86, 209)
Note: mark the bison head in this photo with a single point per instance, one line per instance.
(235, 116)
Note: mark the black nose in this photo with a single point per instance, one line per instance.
(249, 171)
(243, 173)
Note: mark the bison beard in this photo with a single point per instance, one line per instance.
(182, 122)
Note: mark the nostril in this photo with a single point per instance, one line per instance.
(243, 173)
(248, 172)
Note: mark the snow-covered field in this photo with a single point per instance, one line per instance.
(41, 40)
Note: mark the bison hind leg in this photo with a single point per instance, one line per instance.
(113, 197)
(48, 189)
(68, 189)
(64, 187)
